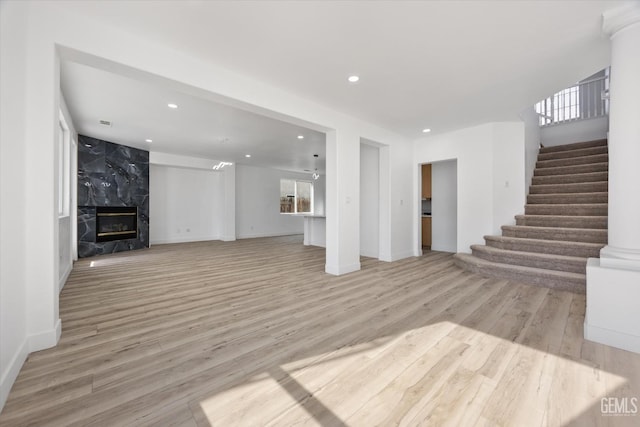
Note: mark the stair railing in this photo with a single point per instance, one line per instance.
(586, 99)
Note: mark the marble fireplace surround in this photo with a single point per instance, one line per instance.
(111, 175)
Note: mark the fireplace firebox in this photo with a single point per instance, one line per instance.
(116, 223)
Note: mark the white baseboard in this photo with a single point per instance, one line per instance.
(370, 254)
(338, 270)
(228, 238)
(402, 255)
(257, 235)
(11, 373)
(612, 338)
(185, 239)
(45, 339)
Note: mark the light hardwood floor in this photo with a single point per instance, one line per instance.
(254, 332)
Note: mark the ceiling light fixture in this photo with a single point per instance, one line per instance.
(171, 105)
(221, 165)
(247, 155)
(148, 140)
(426, 130)
(300, 136)
(353, 79)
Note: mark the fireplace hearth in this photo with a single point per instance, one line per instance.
(116, 223)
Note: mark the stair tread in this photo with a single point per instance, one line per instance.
(578, 152)
(560, 280)
(567, 185)
(577, 217)
(595, 157)
(553, 229)
(581, 175)
(574, 146)
(543, 242)
(546, 171)
(567, 204)
(535, 270)
(539, 255)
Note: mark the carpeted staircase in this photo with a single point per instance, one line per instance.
(565, 222)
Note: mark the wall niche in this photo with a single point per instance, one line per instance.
(111, 175)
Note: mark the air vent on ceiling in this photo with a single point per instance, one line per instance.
(105, 122)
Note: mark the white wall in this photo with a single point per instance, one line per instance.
(532, 138)
(369, 200)
(444, 206)
(509, 189)
(487, 156)
(13, 249)
(35, 36)
(258, 202)
(185, 205)
(580, 131)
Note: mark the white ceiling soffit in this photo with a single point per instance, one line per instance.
(436, 64)
(139, 111)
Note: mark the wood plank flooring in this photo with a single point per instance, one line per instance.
(254, 333)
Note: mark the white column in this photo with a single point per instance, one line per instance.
(343, 202)
(613, 280)
(229, 222)
(624, 137)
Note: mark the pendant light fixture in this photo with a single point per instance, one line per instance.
(315, 174)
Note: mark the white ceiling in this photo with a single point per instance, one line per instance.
(437, 64)
(138, 111)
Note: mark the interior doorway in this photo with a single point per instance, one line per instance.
(439, 206)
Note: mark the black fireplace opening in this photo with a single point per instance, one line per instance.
(116, 223)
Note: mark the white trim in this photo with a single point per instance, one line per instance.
(370, 254)
(254, 236)
(45, 339)
(338, 270)
(183, 240)
(402, 255)
(612, 338)
(11, 373)
(228, 238)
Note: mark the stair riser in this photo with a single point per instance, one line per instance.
(573, 161)
(583, 187)
(570, 179)
(564, 210)
(531, 261)
(577, 286)
(568, 198)
(573, 153)
(586, 236)
(547, 249)
(569, 170)
(564, 222)
(576, 146)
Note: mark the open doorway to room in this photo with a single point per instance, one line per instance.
(439, 206)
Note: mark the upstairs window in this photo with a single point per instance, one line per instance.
(296, 196)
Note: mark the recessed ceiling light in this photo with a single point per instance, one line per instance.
(300, 136)
(171, 105)
(426, 130)
(148, 140)
(247, 155)
(353, 79)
